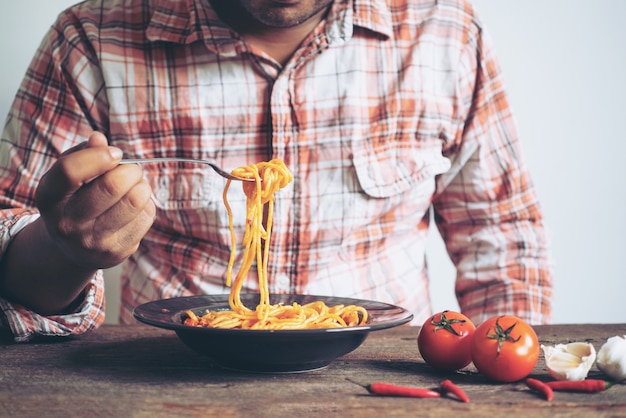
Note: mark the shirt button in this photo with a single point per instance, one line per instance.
(283, 283)
(162, 192)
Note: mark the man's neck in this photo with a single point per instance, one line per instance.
(279, 43)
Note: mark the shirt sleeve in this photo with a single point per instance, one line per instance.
(26, 324)
(486, 206)
(58, 104)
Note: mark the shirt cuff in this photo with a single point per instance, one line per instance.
(26, 324)
(14, 224)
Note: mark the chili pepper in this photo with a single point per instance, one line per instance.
(448, 387)
(541, 387)
(588, 385)
(388, 389)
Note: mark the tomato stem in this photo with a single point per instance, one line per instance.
(503, 335)
(445, 323)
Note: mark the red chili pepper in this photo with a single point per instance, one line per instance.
(448, 387)
(388, 389)
(541, 387)
(589, 385)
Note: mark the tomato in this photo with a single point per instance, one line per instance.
(444, 341)
(505, 348)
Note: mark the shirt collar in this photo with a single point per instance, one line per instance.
(188, 21)
(185, 22)
(373, 15)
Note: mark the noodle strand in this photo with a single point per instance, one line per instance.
(269, 177)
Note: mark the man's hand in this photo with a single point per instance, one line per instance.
(95, 210)
(94, 213)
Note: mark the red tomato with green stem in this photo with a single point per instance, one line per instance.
(444, 341)
(505, 348)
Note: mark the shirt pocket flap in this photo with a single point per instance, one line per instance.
(390, 170)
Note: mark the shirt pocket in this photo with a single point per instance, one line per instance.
(190, 204)
(391, 169)
(395, 183)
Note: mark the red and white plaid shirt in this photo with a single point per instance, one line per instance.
(388, 109)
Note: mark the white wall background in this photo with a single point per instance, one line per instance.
(565, 64)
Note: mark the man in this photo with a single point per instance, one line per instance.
(382, 111)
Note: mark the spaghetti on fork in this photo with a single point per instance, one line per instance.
(269, 178)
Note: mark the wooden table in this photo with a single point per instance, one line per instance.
(141, 371)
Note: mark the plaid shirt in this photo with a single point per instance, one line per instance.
(388, 109)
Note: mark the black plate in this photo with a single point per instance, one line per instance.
(267, 351)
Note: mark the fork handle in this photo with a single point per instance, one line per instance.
(161, 160)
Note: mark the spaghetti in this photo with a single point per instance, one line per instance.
(269, 177)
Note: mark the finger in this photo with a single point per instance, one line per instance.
(110, 237)
(108, 249)
(106, 191)
(73, 170)
(104, 250)
(96, 139)
(127, 207)
(126, 239)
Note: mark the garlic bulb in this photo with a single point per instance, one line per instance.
(569, 361)
(612, 358)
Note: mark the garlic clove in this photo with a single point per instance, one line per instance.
(569, 361)
(612, 358)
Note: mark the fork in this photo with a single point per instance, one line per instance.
(214, 166)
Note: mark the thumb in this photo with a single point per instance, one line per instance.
(76, 167)
(97, 139)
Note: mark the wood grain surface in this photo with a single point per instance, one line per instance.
(141, 371)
